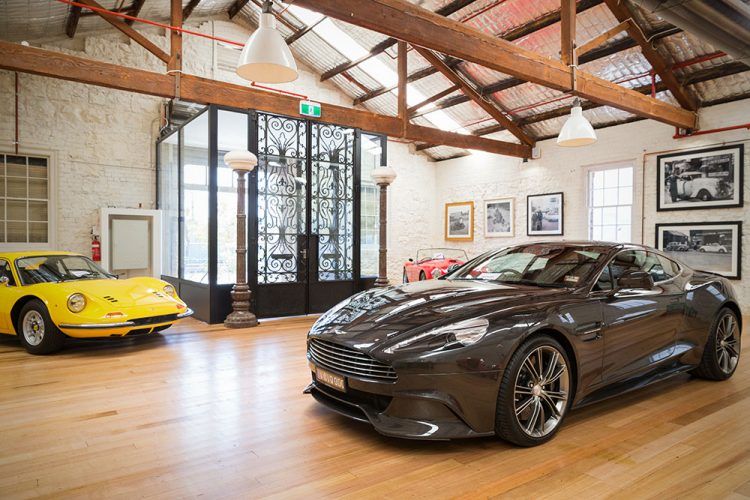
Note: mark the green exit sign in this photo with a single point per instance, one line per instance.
(309, 108)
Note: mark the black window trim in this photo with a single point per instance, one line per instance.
(630, 249)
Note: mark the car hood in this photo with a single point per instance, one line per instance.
(379, 314)
(120, 294)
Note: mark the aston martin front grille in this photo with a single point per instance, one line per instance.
(348, 361)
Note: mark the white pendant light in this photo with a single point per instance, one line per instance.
(577, 130)
(266, 58)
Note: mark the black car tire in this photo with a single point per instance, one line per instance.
(507, 426)
(406, 277)
(710, 367)
(422, 276)
(704, 195)
(52, 338)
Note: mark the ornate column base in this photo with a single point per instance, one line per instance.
(240, 317)
(381, 282)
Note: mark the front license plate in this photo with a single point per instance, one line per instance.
(330, 379)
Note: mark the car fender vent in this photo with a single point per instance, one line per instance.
(111, 299)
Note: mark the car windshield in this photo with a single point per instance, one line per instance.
(538, 265)
(57, 268)
(441, 253)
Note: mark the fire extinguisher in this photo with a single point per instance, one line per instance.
(96, 249)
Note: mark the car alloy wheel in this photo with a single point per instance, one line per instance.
(727, 344)
(33, 328)
(541, 391)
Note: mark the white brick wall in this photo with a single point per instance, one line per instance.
(484, 176)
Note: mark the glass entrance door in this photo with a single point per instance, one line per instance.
(306, 185)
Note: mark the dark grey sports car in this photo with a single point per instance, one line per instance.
(509, 342)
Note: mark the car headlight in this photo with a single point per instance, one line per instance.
(76, 302)
(463, 333)
(169, 290)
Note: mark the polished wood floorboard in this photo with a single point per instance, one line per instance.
(205, 412)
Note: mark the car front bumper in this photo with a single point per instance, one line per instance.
(123, 328)
(428, 406)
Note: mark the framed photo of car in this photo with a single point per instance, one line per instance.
(708, 246)
(459, 221)
(544, 214)
(499, 217)
(704, 178)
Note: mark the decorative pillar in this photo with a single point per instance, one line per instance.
(241, 162)
(383, 177)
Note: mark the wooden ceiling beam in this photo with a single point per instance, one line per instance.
(602, 38)
(189, 8)
(470, 92)
(130, 32)
(402, 70)
(134, 10)
(567, 31)
(418, 26)
(16, 57)
(412, 111)
(176, 18)
(236, 7)
(623, 13)
(71, 22)
(381, 47)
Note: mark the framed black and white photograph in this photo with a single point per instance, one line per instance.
(544, 214)
(707, 246)
(498, 217)
(705, 178)
(459, 221)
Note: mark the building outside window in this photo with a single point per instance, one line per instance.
(24, 201)
(610, 203)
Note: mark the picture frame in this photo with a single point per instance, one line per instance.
(708, 246)
(499, 217)
(459, 221)
(700, 179)
(545, 214)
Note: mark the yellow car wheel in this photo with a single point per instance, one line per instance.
(36, 331)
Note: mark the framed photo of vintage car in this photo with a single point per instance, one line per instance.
(499, 217)
(704, 178)
(708, 246)
(544, 214)
(459, 221)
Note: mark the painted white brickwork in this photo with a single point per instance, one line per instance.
(484, 176)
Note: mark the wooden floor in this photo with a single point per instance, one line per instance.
(206, 412)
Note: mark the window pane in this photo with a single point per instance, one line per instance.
(609, 233)
(610, 196)
(596, 233)
(370, 205)
(195, 195)
(625, 196)
(37, 232)
(169, 204)
(597, 199)
(16, 166)
(38, 211)
(609, 215)
(38, 189)
(626, 176)
(623, 233)
(623, 215)
(596, 218)
(16, 187)
(610, 178)
(232, 135)
(16, 232)
(17, 210)
(38, 168)
(598, 179)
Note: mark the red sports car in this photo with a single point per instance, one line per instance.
(433, 263)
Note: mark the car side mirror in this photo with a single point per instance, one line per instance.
(4, 281)
(635, 280)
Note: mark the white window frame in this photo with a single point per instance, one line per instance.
(52, 188)
(634, 201)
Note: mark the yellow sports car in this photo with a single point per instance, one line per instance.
(45, 296)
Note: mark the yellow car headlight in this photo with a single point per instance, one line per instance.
(169, 290)
(76, 302)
